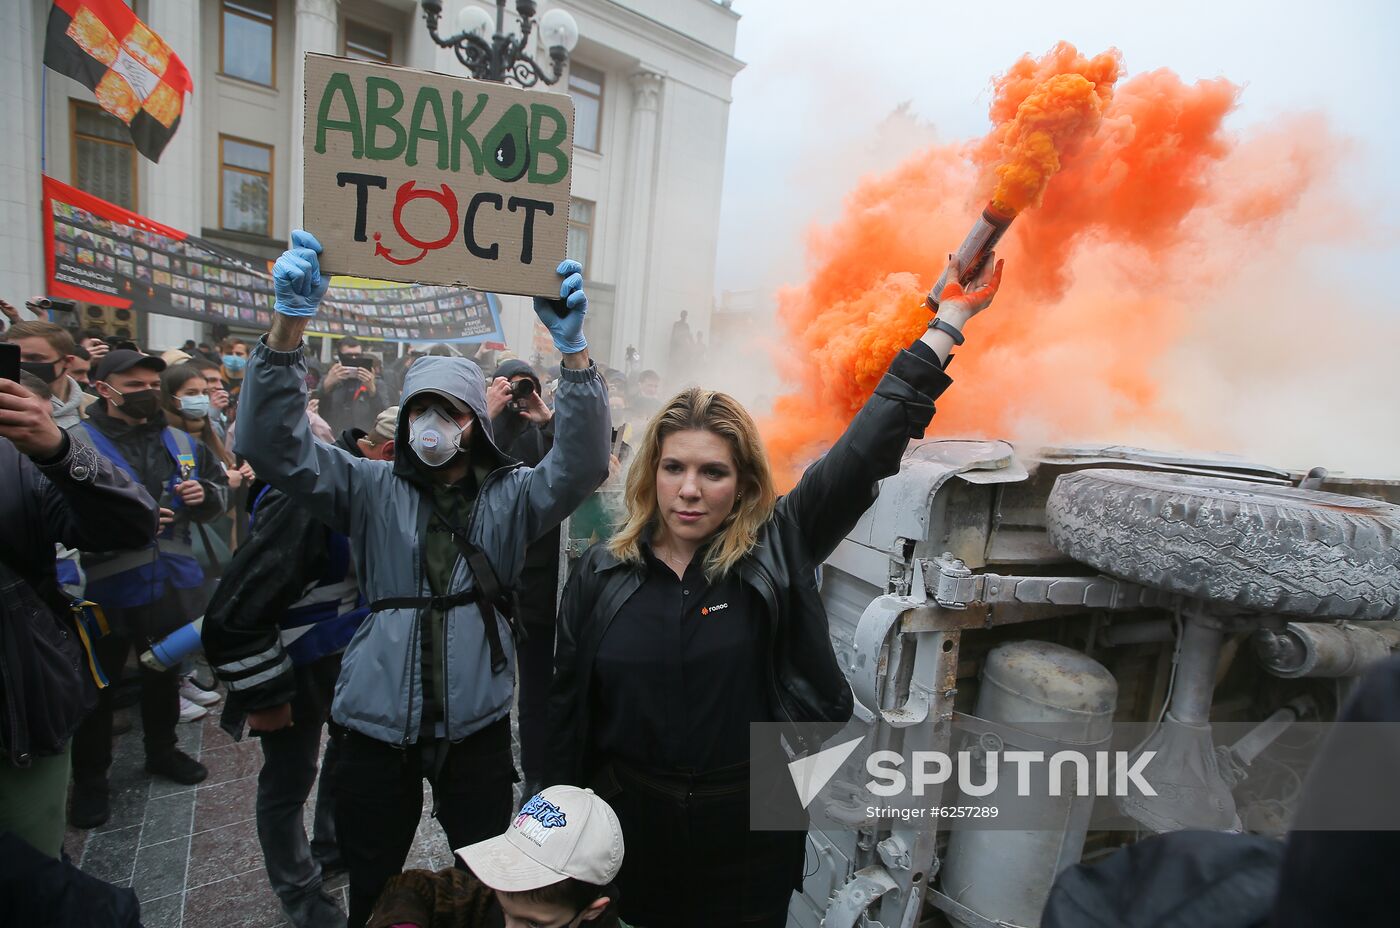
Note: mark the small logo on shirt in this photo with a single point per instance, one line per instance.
(708, 609)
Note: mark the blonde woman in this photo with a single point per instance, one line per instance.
(701, 615)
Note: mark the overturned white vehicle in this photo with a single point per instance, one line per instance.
(984, 592)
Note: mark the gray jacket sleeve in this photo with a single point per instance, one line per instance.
(578, 463)
(274, 436)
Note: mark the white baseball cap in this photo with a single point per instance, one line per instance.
(561, 832)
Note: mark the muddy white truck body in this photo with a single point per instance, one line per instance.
(1209, 588)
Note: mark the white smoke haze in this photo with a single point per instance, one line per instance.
(775, 254)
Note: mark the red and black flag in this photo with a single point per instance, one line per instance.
(135, 75)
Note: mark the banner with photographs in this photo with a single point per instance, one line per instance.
(100, 253)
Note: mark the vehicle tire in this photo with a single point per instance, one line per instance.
(1254, 546)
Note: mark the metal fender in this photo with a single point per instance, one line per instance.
(863, 890)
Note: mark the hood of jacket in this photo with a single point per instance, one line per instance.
(454, 377)
(68, 413)
(349, 440)
(514, 368)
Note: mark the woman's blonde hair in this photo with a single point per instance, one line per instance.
(721, 414)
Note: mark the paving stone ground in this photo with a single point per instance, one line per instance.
(191, 852)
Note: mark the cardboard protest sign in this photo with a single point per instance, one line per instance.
(420, 177)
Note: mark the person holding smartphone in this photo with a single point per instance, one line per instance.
(351, 395)
(523, 426)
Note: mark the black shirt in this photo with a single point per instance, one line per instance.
(681, 671)
(537, 591)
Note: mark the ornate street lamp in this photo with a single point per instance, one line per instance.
(503, 56)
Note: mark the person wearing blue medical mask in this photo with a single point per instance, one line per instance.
(234, 354)
(185, 401)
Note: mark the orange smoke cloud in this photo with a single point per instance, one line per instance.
(1143, 202)
(1050, 124)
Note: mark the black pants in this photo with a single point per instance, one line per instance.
(290, 758)
(692, 861)
(535, 663)
(160, 713)
(379, 800)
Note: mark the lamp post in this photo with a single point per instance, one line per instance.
(503, 56)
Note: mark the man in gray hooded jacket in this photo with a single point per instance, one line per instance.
(426, 684)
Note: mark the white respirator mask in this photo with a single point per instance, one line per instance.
(434, 437)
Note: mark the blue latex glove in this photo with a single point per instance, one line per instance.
(296, 277)
(564, 316)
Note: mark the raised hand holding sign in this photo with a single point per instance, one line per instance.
(297, 281)
(427, 178)
(564, 316)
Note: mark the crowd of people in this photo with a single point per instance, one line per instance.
(374, 551)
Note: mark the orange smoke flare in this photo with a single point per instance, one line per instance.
(1050, 125)
(1134, 181)
(1054, 116)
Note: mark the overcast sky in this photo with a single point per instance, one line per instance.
(821, 77)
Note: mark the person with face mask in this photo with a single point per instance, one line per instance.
(188, 405)
(149, 593)
(426, 685)
(234, 355)
(45, 351)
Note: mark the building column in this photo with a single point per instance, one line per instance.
(172, 189)
(630, 320)
(21, 252)
(425, 54)
(316, 31)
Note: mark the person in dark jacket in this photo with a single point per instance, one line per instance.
(701, 616)
(273, 633)
(524, 429)
(52, 490)
(39, 891)
(1339, 857)
(352, 396)
(149, 593)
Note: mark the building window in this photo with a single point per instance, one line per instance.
(580, 231)
(586, 87)
(104, 159)
(245, 186)
(249, 40)
(367, 43)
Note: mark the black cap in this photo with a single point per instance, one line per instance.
(124, 359)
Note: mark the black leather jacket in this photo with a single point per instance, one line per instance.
(806, 684)
(81, 500)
